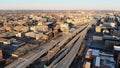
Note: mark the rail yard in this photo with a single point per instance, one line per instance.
(59, 39)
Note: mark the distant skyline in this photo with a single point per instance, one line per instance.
(60, 4)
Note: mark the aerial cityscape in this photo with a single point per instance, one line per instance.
(59, 34)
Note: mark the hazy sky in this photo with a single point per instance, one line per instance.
(61, 4)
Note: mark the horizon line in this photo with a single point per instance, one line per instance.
(67, 9)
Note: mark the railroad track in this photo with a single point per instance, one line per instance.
(66, 42)
(53, 53)
(32, 56)
(53, 47)
(66, 61)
